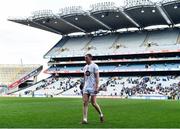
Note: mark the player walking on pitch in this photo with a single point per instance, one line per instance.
(90, 88)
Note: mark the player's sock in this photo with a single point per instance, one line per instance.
(101, 118)
(85, 113)
(101, 115)
(85, 119)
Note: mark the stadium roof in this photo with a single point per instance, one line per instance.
(146, 15)
(105, 16)
(172, 10)
(114, 19)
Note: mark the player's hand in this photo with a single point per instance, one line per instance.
(81, 86)
(96, 89)
(96, 92)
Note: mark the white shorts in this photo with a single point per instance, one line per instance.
(89, 91)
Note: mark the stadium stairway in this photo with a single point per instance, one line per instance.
(115, 42)
(86, 46)
(178, 39)
(145, 40)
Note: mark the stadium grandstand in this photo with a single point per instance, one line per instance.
(137, 48)
(16, 77)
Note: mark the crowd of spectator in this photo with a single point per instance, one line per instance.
(133, 86)
(121, 86)
(43, 84)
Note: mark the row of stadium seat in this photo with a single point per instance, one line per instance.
(117, 42)
(132, 67)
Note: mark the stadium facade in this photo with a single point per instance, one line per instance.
(134, 59)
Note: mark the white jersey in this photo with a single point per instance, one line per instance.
(89, 74)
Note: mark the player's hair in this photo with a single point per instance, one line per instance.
(89, 55)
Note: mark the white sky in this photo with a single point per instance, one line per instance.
(22, 42)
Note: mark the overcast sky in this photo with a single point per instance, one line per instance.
(29, 44)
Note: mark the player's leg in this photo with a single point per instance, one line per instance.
(85, 107)
(97, 107)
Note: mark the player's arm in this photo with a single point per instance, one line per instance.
(97, 78)
(82, 83)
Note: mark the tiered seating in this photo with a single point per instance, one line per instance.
(109, 44)
(11, 73)
(131, 40)
(163, 37)
(38, 86)
(51, 89)
(62, 85)
(116, 86)
(55, 49)
(128, 86)
(100, 43)
(132, 67)
(140, 41)
(74, 45)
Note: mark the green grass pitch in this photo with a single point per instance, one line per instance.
(67, 113)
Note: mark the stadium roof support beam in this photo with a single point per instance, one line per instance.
(165, 14)
(46, 27)
(130, 19)
(80, 29)
(103, 24)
